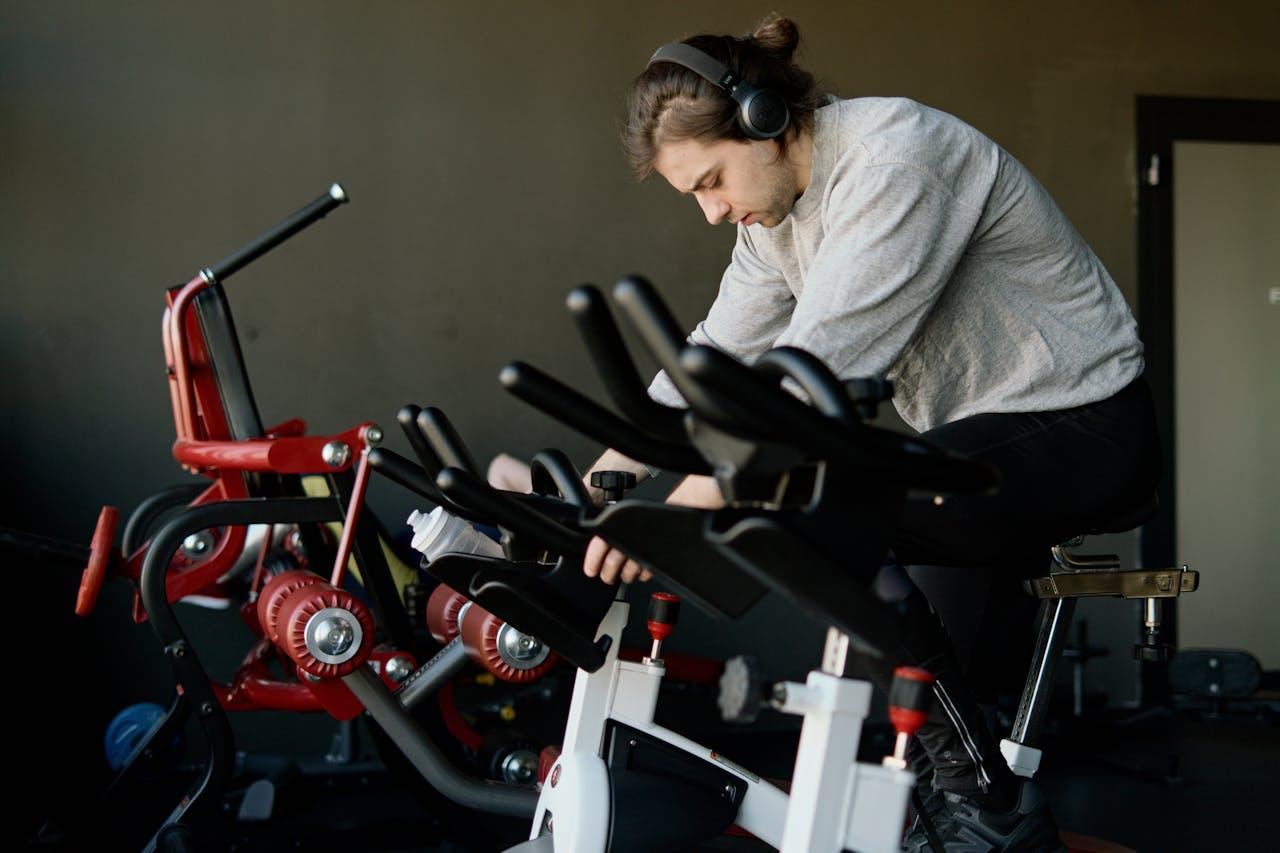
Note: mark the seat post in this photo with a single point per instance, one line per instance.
(1020, 748)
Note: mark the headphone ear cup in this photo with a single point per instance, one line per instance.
(762, 114)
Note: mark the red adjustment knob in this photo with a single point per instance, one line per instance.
(909, 698)
(99, 556)
(442, 613)
(502, 649)
(327, 631)
(274, 594)
(664, 610)
(546, 760)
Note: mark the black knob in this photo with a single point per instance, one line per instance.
(614, 484)
(1152, 652)
(867, 394)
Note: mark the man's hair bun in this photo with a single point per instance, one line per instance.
(778, 37)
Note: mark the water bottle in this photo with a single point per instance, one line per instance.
(437, 532)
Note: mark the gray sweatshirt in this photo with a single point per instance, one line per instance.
(924, 252)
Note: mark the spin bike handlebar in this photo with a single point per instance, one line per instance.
(733, 397)
(617, 369)
(593, 420)
(286, 228)
(523, 520)
(662, 335)
(909, 461)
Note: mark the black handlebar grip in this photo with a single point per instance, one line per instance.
(617, 369)
(395, 467)
(444, 439)
(407, 417)
(565, 479)
(814, 378)
(594, 421)
(661, 334)
(313, 212)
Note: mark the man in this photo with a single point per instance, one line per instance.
(890, 239)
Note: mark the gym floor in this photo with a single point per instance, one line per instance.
(1105, 781)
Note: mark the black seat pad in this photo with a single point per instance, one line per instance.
(1128, 520)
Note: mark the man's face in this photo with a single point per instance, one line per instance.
(743, 182)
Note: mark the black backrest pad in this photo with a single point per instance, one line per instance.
(223, 347)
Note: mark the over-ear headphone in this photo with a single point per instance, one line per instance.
(762, 113)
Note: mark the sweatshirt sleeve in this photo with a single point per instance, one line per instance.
(893, 237)
(750, 311)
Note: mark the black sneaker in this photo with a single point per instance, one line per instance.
(964, 827)
(930, 811)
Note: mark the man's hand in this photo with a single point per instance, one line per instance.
(610, 564)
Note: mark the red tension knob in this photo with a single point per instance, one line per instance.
(909, 698)
(664, 610)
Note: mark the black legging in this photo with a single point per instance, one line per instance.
(1064, 473)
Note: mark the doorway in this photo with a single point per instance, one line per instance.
(1209, 312)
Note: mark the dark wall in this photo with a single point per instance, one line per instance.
(140, 141)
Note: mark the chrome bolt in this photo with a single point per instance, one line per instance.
(333, 635)
(519, 649)
(373, 435)
(335, 454)
(520, 767)
(198, 544)
(398, 668)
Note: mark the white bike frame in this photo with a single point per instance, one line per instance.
(835, 802)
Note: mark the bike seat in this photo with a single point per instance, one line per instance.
(1131, 518)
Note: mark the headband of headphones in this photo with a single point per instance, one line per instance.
(762, 114)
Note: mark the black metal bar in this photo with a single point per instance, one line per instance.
(902, 459)
(433, 674)
(593, 420)
(563, 476)
(662, 335)
(313, 212)
(400, 470)
(511, 514)
(617, 370)
(828, 393)
(1033, 707)
(438, 430)
(423, 754)
(407, 417)
(200, 800)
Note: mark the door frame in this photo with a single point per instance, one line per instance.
(1162, 121)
